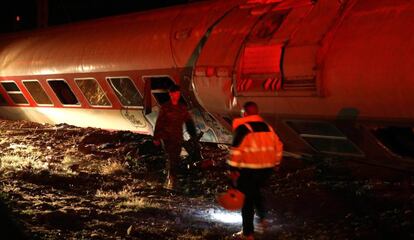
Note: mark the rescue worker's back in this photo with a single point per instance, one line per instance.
(255, 144)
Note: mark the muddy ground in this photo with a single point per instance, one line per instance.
(63, 182)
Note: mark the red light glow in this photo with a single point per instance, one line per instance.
(261, 59)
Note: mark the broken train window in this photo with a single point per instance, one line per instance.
(92, 92)
(126, 91)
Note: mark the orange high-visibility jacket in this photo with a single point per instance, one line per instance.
(255, 144)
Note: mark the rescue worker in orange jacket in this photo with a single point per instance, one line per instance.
(256, 150)
(169, 130)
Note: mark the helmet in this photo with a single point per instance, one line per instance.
(231, 200)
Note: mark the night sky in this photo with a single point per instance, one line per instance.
(67, 11)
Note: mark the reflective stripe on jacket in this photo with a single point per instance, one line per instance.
(255, 144)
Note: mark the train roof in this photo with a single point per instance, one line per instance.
(156, 39)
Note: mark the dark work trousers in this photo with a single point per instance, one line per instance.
(251, 182)
(173, 149)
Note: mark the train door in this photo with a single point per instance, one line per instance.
(156, 94)
(156, 91)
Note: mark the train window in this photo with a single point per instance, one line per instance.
(324, 137)
(14, 92)
(63, 92)
(10, 87)
(399, 140)
(268, 25)
(315, 128)
(332, 145)
(93, 92)
(38, 93)
(126, 91)
(3, 101)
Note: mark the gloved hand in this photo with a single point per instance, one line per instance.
(156, 142)
(233, 175)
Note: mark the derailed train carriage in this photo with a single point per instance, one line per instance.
(333, 77)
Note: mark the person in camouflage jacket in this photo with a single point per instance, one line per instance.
(169, 131)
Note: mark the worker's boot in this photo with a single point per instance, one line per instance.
(170, 183)
(261, 226)
(241, 236)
